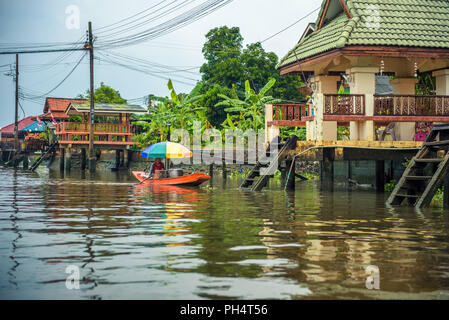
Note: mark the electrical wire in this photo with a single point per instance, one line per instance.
(290, 26)
(61, 82)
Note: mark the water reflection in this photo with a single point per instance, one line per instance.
(162, 242)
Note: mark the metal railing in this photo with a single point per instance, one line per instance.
(411, 105)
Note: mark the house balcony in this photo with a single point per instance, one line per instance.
(105, 134)
(290, 115)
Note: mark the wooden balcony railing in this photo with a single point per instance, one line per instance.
(289, 112)
(344, 104)
(98, 127)
(411, 105)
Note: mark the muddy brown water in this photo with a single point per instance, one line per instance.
(214, 242)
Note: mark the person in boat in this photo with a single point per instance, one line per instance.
(156, 166)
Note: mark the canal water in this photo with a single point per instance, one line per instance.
(214, 242)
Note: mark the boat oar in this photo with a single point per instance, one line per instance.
(145, 179)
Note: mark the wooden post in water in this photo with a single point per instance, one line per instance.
(446, 192)
(126, 158)
(290, 183)
(61, 159)
(90, 46)
(83, 159)
(225, 173)
(26, 162)
(327, 170)
(211, 170)
(122, 158)
(117, 159)
(68, 159)
(380, 176)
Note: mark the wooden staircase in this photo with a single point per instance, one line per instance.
(44, 155)
(426, 171)
(259, 176)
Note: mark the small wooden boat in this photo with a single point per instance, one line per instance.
(191, 180)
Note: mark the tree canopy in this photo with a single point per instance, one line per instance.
(104, 94)
(228, 65)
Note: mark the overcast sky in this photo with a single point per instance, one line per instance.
(25, 21)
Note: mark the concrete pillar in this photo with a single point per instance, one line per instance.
(363, 82)
(442, 82)
(271, 132)
(327, 170)
(68, 159)
(404, 131)
(319, 130)
(61, 159)
(380, 176)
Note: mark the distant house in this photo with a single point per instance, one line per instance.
(7, 132)
(112, 128)
(57, 108)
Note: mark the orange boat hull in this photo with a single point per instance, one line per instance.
(191, 180)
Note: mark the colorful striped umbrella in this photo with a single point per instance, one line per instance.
(168, 150)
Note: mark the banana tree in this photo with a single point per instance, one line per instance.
(185, 107)
(250, 112)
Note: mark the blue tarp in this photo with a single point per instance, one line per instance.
(34, 127)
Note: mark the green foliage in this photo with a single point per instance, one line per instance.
(288, 132)
(180, 109)
(73, 118)
(248, 113)
(343, 133)
(426, 85)
(104, 94)
(228, 66)
(389, 187)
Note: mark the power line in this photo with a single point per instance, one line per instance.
(61, 82)
(167, 27)
(293, 24)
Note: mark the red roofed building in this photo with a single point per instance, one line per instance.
(7, 132)
(57, 107)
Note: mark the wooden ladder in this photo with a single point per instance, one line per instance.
(426, 171)
(259, 176)
(42, 157)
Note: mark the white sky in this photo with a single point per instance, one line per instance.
(27, 21)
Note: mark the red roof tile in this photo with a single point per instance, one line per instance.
(22, 124)
(59, 104)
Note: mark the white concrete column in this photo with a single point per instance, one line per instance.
(363, 82)
(320, 130)
(442, 81)
(271, 132)
(404, 131)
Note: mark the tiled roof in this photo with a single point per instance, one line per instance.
(22, 124)
(59, 104)
(103, 107)
(407, 23)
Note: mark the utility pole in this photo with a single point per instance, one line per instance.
(91, 156)
(16, 119)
